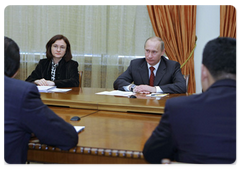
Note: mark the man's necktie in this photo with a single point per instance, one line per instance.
(151, 80)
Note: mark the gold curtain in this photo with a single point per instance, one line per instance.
(227, 21)
(176, 25)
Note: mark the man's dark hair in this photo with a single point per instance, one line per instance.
(11, 57)
(219, 56)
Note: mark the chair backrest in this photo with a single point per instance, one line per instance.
(80, 78)
(187, 79)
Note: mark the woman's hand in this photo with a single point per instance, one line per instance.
(43, 82)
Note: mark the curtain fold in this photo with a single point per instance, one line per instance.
(227, 21)
(176, 25)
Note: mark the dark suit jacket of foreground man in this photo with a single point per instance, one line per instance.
(24, 114)
(168, 76)
(197, 129)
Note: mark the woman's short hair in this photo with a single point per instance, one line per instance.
(11, 57)
(68, 54)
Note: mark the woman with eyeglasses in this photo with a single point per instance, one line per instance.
(58, 69)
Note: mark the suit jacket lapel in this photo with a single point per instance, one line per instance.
(160, 72)
(49, 68)
(143, 71)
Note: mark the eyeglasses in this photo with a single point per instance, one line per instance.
(62, 48)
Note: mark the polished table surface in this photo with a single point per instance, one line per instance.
(86, 98)
(116, 128)
(108, 137)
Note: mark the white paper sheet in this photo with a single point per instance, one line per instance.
(116, 93)
(79, 128)
(157, 95)
(47, 89)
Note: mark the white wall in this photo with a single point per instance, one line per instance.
(207, 28)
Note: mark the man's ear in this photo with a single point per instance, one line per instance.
(204, 78)
(15, 74)
(204, 73)
(163, 52)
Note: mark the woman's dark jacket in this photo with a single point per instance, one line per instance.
(66, 73)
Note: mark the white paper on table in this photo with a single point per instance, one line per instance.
(116, 93)
(60, 90)
(79, 128)
(47, 89)
(157, 95)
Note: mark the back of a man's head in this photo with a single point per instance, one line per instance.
(219, 56)
(11, 57)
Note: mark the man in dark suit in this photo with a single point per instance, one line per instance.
(166, 74)
(201, 128)
(25, 114)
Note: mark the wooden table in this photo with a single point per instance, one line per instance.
(116, 128)
(109, 138)
(85, 98)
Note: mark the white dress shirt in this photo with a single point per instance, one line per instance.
(158, 89)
